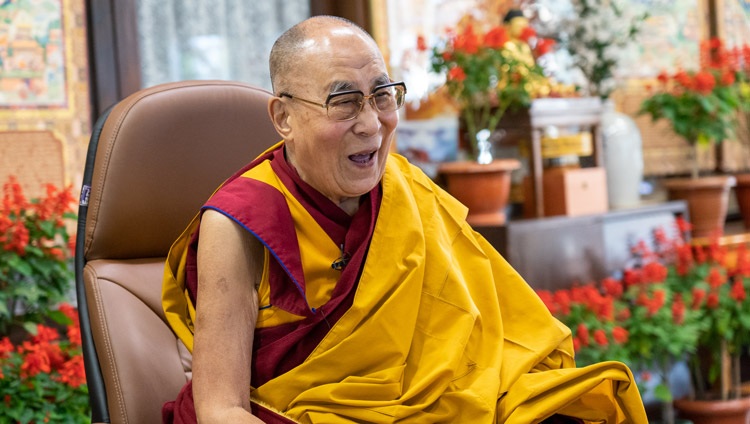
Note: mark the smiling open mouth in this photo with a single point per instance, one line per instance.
(362, 158)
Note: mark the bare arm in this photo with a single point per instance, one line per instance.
(230, 263)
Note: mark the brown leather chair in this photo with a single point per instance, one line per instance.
(153, 159)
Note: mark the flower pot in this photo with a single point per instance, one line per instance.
(707, 199)
(742, 193)
(734, 411)
(484, 189)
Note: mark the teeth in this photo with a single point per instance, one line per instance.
(361, 158)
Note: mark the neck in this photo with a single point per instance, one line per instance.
(350, 205)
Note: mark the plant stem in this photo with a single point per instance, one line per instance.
(694, 172)
(736, 376)
(667, 412)
(724, 374)
(700, 386)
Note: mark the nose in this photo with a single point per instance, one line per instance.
(368, 118)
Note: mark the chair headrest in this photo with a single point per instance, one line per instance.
(161, 153)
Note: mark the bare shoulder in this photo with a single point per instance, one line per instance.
(227, 247)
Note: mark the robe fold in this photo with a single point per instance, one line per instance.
(437, 327)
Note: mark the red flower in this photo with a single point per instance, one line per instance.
(715, 278)
(45, 334)
(467, 42)
(620, 335)
(456, 74)
(583, 334)
(601, 337)
(612, 287)
(562, 298)
(698, 296)
(527, 34)
(663, 78)
(496, 37)
(631, 277)
(548, 300)
(35, 361)
(421, 43)
(543, 46)
(6, 347)
(738, 290)
(704, 82)
(678, 310)
(727, 78)
(713, 300)
(72, 372)
(654, 272)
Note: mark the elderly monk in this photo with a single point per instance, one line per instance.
(332, 282)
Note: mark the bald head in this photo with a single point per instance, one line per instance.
(289, 49)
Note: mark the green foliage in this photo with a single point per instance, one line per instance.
(35, 254)
(42, 379)
(486, 76)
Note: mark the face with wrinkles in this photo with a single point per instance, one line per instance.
(341, 159)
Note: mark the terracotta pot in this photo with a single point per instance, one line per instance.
(742, 193)
(707, 199)
(734, 411)
(484, 189)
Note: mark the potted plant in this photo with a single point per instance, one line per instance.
(676, 303)
(42, 377)
(720, 277)
(641, 319)
(35, 255)
(701, 106)
(487, 72)
(741, 55)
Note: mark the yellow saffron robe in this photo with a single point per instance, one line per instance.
(442, 329)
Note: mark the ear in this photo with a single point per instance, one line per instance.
(278, 111)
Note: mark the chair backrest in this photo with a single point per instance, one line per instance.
(153, 160)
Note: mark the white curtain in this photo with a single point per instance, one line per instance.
(212, 39)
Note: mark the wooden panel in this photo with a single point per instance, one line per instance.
(35, 157)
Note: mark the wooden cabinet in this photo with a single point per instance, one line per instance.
(574, 191)
(525, 129)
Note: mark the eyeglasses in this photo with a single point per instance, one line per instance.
(346, 105)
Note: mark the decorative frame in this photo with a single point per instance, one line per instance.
(43, 136)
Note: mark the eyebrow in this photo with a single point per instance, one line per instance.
(338, 86)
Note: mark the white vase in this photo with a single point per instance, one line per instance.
(623, 157)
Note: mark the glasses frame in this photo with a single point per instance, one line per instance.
(365, 99)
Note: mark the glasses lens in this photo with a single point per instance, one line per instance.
(345, 106)
(390, 98)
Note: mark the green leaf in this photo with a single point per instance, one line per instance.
(662, 393)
